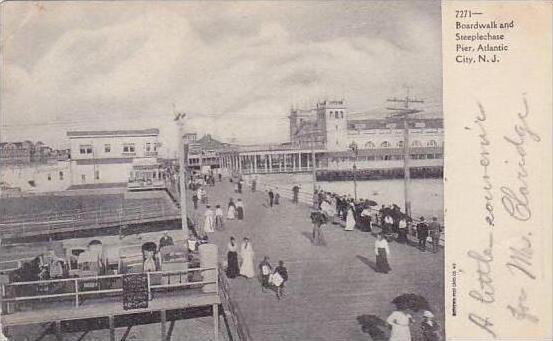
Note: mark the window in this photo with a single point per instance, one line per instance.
(85, 149)
(107, 148)
(335, 114)
(61, 175)
(385, 144)
(431, 143)
(49, 177)
(400, 144)
(148, 146)
(97, 175)
(128, 148)
(369, 144)
(416, 143)
(83, 178)
(341, 114)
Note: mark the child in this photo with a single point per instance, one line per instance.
(430, 328)
(265, 269)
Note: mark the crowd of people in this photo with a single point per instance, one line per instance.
(240, 256)
(361, 214)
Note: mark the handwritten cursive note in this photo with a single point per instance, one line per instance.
(517, 202)
(484, 293)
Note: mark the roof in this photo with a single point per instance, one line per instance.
(367, 124)
(209, 143)
(104, 161)
(135, 132)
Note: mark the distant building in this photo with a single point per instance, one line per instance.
(204, 152)
(26, 153)
(323, 126)
(388, 133)
(100, 157)
(327, 126)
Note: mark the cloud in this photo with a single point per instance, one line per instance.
(235, 67)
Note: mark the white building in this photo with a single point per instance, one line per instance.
(327, 126)
(101, 157)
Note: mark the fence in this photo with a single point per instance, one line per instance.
(102, 286)
(307, 198)
(236, 318)
(74, 220)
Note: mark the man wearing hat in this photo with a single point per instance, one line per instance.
(422, 233)
(434, 231)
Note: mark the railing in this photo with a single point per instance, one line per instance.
(78, 219)
(236, 318)
(307, 198)
(105, 284)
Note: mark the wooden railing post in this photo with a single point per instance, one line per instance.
(76, 292)
(149, 289)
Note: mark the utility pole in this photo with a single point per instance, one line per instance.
(354, 148)
(403, 114)
(179, 119)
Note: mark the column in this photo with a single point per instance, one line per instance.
(280, 162)
(270, 164)
(285, 159)
(266, 163)
(255, 163)
(216, 322)
(240, 163)
(293, 162)
(307, 159)
(251, 163)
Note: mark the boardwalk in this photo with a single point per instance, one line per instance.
(331, 288)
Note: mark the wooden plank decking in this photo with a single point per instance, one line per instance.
(333, 293)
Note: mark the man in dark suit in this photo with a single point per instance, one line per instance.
(422, 234)
(271, 197)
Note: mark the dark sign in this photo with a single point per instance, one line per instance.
(135, 291)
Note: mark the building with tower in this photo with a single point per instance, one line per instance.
(323, 126)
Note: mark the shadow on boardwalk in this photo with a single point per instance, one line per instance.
(374, 326)
(368, 262)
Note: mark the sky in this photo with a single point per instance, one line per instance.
(235, 68)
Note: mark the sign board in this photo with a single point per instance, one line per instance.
(135, 291)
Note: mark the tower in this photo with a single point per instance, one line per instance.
(333, 115)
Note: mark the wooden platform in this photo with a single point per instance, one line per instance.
(333, 292)
(107, 307)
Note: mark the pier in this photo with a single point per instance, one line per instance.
(332, 293)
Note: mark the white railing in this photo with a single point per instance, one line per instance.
(76, 283)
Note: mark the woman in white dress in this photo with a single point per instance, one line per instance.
(400, 321)
(350, 219)
(208, 220)
(246, 252)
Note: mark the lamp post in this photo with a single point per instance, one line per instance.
(182, 173)
(355, 149)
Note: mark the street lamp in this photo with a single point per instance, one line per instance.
(355, 149)
(179, 119)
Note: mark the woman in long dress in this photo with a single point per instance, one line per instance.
(382, 252)
(232, 259)
(366, 219)
(350, 218)
(208, 220)
(239, 209)
(231, 213)
(400, 321)
(246, 251)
